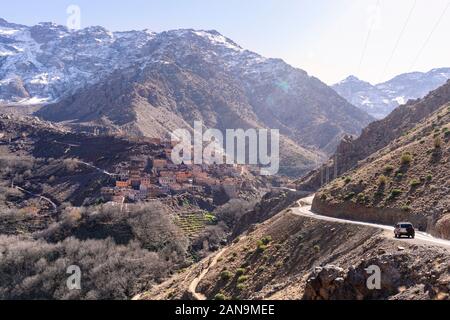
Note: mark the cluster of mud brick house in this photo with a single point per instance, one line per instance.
(146, 178)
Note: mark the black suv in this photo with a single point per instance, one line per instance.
(404, 229)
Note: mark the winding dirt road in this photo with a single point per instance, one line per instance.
(55, 207)
(421, 237)
(194, 284)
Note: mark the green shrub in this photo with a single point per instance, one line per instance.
(395, 193)
(347, 180)
(429, 178)
(242, 279)
(406, 158)
(240, 272)
(226, 275)
(260, 248)
(349, 196)
(241, 286)
(220, 297)
(388, 169)
(266, 240)
(415, 183)
(382, 180)
(437, 143)
(316, 248)
(362, 198)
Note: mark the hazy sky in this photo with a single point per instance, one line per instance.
(330, 39)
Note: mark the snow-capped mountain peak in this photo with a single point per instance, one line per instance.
(379, 100)
(46, 62)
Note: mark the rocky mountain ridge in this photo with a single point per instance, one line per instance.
(381, 99)
(149, 84)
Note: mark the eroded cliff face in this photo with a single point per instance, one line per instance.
(358, 212)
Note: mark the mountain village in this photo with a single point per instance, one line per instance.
(146, 178)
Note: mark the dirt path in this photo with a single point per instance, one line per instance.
(421, 237)
(55, 207)
(97, 168)
(194, 284)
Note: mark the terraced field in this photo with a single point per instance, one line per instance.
(193, 223)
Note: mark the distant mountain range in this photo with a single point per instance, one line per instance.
(379, 100)
(147, 83)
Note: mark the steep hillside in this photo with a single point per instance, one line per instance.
(406, 180)
(379, 100)
(291, 257)
(376, 136)
(44, 167)
(162, 98)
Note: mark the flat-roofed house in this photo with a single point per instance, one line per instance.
(183, 177)
(122, 184)
(167, 181)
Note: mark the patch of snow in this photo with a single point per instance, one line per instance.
(8, 32)
(6, 53)
(218, 39)
(366, 101)
(400, 100)
(33, 101)
(40, 79)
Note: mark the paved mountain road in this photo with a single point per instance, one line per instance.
(421, 237)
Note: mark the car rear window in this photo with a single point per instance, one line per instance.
(405, 226)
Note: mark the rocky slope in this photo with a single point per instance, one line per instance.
(379, 100)
(290, 257)
(375, 137)
(406, 180)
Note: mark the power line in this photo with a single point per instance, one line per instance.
(402, 32)
(368, 38)
(438, 22)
